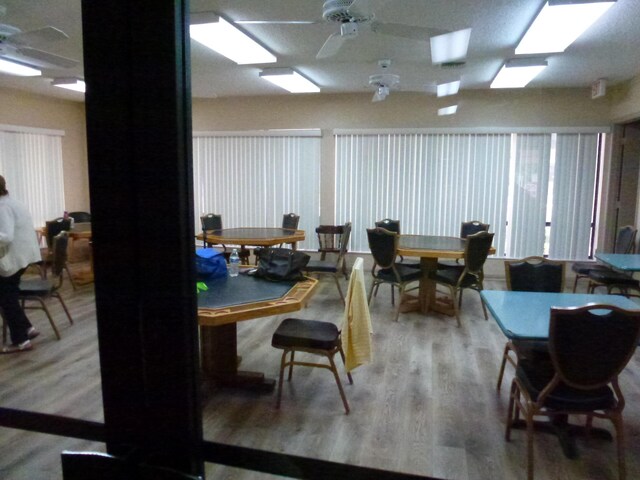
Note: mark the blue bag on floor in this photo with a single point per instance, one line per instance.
(210, 263)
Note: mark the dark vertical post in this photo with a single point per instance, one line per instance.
(138, 104)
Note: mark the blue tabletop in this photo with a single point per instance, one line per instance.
(622, 261)
(525, 315)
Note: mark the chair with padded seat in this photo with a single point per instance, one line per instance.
(625, 243)
(394, 226)
(334, 268)
(52, 229)
(588, 348)
(80, 217)
(471, 276)
(329, 242)
(212, 222)
(321, 338)
(41, 289)
(290, 221)
(466, 228)
(531, 274)
(384, 250)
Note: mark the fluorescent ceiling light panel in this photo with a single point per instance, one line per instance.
(450, 46)
(290, 80)
(448, 110)
(518, 73)
(451, 88)
(559, 23)
(74, 84)
(14, 68)
(219, 35)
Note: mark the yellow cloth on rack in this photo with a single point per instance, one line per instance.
(356, 323)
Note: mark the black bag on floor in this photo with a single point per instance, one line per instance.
(281, 264)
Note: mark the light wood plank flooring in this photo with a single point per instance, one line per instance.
(426, 405)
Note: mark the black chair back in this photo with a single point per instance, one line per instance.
(388, 224)
(211, 221)
(290, 221)
(535, 274)
(472, 227)
(80, 217)
(590, 345)
(383, 245)
(477, 251)
(625, 240)
(60, 243)
(54, 227)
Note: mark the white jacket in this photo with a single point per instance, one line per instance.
(17, 237)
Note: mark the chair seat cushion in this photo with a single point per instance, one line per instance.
(407, 273)
(583, 268)
(295, 332)
(35, 286)
(535, 375)
(324, 266)
(612, 277)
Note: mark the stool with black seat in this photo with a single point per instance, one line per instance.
(325, 338)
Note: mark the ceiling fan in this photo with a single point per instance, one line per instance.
(351, 15)
(16, 45)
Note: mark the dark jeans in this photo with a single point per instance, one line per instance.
(11, 311)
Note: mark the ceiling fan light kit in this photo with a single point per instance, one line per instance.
(221, 36)
(289, 79)
(559, 24)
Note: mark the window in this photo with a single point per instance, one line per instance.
(536, 190)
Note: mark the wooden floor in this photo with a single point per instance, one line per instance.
(426, 405)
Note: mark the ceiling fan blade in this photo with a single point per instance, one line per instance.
(41, 35)
(276, 22)
(46, 59)
(331, 46)
(406, 31)
(360, 8)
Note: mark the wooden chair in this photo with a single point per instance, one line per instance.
(41, 289)
(625, 243)
(589, 346)
(329, 242)
(384, 249)
(472, 274)
(317, 337)
(53, 228)
(334, 268)
(531, 274)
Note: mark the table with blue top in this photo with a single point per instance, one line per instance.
(230, 300)
(626, 262)
(524, 316)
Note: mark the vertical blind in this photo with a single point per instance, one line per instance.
(537, 191)
(31, 163)
(252, 180)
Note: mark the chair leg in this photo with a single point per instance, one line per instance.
(456, 308)
(510, 411)
(505, 354)
(401, 295)
(529, 445)
(619, 427)
(335, 278)
(64, 306)
(280, 378)
(73, 284)
(291, 366)
(345, 364)
(339, 383)
(46, 310)
(484, 307)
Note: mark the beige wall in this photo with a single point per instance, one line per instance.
(625, 101)
(24, 109)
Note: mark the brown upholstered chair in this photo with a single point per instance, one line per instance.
(531, 274)
(588, 346)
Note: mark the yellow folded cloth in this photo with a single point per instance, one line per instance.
(356, 323)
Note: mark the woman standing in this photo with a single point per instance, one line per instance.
(18, 248)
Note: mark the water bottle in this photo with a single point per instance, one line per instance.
(234, 263)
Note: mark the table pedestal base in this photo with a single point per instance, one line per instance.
(220, 360)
